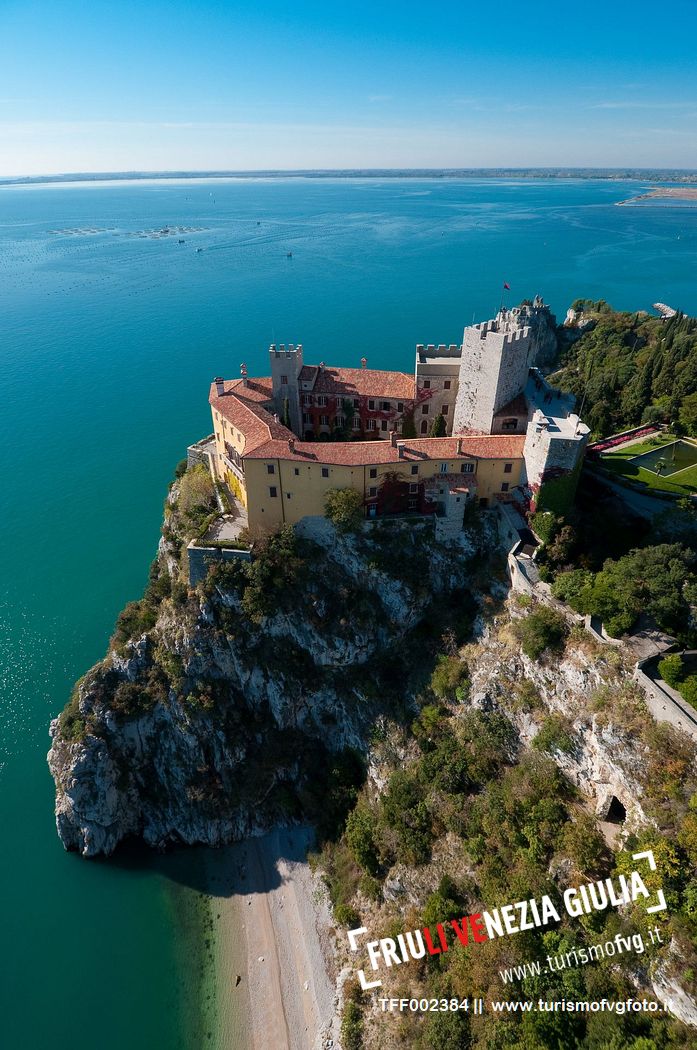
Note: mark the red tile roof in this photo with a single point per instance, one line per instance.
(265, 438)
(359, 382)
(359, 453)
(247, 414)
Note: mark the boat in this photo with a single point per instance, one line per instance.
(181, 240)
(289, 255)
(199, 249)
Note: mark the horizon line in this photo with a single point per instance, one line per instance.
(628, 172)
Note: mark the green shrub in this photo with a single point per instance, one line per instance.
(135, 619)
(352, 1027)
(671, 669)
(450, 678)
(72, 725)
(544, 524)
(361, 834)
(344, 508)
(555, 735)
(347, 916)
(404, 809)
(688, 689)
(541, 630)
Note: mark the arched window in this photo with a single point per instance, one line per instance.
(424, 426)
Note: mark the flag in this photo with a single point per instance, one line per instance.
(507, 286)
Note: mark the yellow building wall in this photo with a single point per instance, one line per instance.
(304, 493)
(297, 495)
(224, 431)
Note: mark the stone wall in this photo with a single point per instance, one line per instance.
(201, 557)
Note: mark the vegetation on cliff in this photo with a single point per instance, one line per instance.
(630, 368)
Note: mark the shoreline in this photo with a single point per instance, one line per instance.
(666, 193)
(274, 967)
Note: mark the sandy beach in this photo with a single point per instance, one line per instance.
(678, 193)
(274, 963)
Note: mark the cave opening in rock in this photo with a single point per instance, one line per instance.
(616, 812)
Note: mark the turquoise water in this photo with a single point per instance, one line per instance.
(108, 344)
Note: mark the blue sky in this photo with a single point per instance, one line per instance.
(160, 86)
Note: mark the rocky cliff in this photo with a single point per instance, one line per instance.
(215, 709)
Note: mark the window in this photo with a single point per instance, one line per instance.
(446, 384)
(424, 410)
(307, 399)
(413, 486)
(324, 421)
(504, 487)
(424, 426)
(273, 491)
(287, 495)
(325, 472)
(372, 491)
(284, 380)
(509, 424)
(371, 405)
(383, 425)
(415, 468)
(413, 504)
(507, 468)
(371, 424)
(356, 425)
(306, 418)
(444, 410)
(356, 403)
(444, 468)
(270, 469)
(322, 401)
(467, 468)
(400, 406)
(427, 384)
(373, 472)
(340, 421)
(297, 471)
(385, 406)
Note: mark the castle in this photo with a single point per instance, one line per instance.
(283, 441)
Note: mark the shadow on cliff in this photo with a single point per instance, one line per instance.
(241, 869)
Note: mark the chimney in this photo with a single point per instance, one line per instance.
(219, 386)
(400, 449)
(321, 366)
(459, 446)
(275, 418)
(393, 438)
(364, 362)
(243, 373)
(291, 444)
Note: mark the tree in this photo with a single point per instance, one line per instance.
(542, 629)
(688, 413)
(344, 508)
(285, 418)
(437, 427)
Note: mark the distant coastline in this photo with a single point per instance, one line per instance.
(676, 193)
(672, 175)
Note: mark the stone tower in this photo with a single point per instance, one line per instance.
(286, 364)
(553, 451)
(494, 366)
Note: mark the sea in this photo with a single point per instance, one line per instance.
(119, 301)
